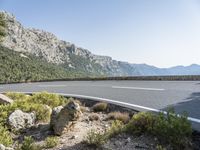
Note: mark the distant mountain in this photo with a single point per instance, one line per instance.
(147, 70)
(46, 46)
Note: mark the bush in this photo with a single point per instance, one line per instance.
(124, 117)
(141, 123)
(173, 129)
(51, 142)
(5, 136)
(116, 128)
(28, 144)
(100, 107)
(95, 139)
(17, 96)
(52, 100)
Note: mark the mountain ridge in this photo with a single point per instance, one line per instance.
(47, 46)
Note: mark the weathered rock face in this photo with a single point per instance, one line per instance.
(66, 118)
(21, 120)
(49, 47)
(5, 100)
(54, 115)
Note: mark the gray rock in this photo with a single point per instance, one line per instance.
(54, 115)
(67, 117)
(21, 120)
(5, 100)
(2, 147)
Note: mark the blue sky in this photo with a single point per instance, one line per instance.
(163, 33)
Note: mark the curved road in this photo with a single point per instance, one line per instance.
(141, 95)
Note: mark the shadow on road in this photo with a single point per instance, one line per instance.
(191, 105)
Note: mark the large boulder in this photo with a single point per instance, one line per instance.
(21, 120)
(66, 118)
(54, 115)
(5, 100)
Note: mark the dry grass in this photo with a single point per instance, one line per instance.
(93, 117)
(101, 106)
(124, 117)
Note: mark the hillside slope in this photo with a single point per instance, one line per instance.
(47, 46)
(16, 67)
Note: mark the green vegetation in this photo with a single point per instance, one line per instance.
(51, 142)
(5, 136)
(124, 117)
(96, 139)
(40, 103)
(49, 99)
(15, 68)
(101, 106)
(171, 128)
(2, 27)
(28, 144)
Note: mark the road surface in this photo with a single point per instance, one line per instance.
(141, 95)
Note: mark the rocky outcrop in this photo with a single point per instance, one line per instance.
(49, 47)
(66, 118)
(21, 120)
(5, 100)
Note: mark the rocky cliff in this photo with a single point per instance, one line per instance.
(46, 45)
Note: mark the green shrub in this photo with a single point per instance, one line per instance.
(100, 107)
(52, 100)
(17, 96)
(51, 142)
(116, 128)
(96, 139)
(174, 129)
(28, 144)
(124, 117)
(5, 136)
(141, 123)
(171, 128)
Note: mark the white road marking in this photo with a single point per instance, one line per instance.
(196, 120)
(52, 85)
(137, 88)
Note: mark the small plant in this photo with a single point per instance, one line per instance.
(51, 142)
(96, 139)
(116, 128)
(124, 117)
(5, 137)
(93, 117)
(141, 123)
(28, 144)
(100, 107)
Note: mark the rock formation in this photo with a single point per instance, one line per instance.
(66, 118)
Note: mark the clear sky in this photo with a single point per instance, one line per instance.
(163, 33)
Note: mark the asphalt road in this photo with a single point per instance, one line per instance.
(141, 95)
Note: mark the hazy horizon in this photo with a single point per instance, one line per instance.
(162, 34)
